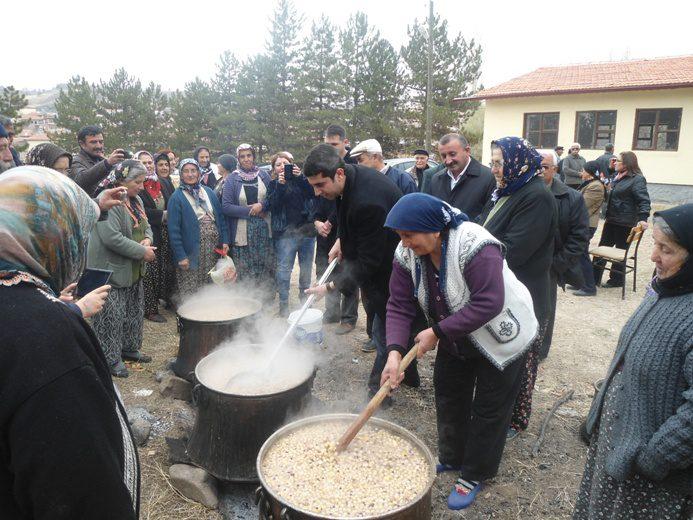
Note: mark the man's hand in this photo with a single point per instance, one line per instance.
(318, 290)
(67, 294)
(93, 302)
(426, 340)
(149, 255)
(115, 157)
(336, 251)
(184, 264)
(255, 209)
(108, 199)
(390, 372)
(323, 228)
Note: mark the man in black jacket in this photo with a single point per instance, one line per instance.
(572, 236)
(365, 246)
(464, 183)
(90, 166)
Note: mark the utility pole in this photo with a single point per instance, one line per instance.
(429, 79)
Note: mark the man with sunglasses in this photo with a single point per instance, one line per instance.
(572, 166)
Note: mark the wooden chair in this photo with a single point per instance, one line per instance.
(615, 254)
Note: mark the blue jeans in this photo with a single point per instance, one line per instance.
(287, 248)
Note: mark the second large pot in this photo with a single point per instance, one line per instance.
(230, 429)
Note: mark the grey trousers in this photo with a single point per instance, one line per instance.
(119, 325)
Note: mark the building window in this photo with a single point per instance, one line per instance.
(657, 129)
(595, 129)
(541, 129)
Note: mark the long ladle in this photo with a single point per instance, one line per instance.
(374, 403)
(249, 376)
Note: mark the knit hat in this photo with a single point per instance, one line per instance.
(592, 167)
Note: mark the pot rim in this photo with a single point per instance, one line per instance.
(347, 417)
(309, 377)
(232, 320)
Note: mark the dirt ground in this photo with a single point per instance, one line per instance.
(544, 487)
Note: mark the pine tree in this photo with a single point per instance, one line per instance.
(11, 102)
(193, 112)
(456, 68)
(227, 120)
(76, 108)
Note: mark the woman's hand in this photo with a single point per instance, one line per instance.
(146, 242)
(390, 372)
(643, 224)
(93, 302)
(426, 340)
(296, 171)
(280, 177)
(111, 198)
(184, 264)
(255, 209)
(67, 294)
(149, 255)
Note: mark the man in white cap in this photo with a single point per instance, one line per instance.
(369, 153)
(572, 167)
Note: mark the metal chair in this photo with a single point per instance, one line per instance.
(615, 254)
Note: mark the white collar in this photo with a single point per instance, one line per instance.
(384, 170)
(453, 181)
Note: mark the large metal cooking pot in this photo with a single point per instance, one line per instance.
(274, 507)
(198, 338)
(230, 429)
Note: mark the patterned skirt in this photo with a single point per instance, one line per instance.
(192, 280)
(168, 283)
(256, 262)
(153, 284)
(601, 496)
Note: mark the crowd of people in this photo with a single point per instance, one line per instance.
(462, 257)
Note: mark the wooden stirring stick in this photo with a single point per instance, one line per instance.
(374, 403)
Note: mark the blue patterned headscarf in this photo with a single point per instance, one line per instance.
(45, 221)
(423, 213)
(194, 189)
(521, 163)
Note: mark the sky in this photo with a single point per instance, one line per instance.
(170, 42)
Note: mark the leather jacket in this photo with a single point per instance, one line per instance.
(629, 201)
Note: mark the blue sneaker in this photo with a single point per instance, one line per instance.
(442, 468)
(463, 494)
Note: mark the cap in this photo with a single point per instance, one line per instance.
(367, 146)
(421, 151)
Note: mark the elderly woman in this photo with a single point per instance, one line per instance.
(67, 450)
(50, 156)
(164, 168)
(208, 170)
(246, 205)
(155, 197)
(292, 203)
(640, 461)
(227, 164)
(454, 270)
(628, 204)
(123, 243)
(196, 229)
(522, 214)
(592, 190)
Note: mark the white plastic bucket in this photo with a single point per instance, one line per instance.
(309, 329)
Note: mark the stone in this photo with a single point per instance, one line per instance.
(140, 430)
(139, 412)
(184, 418)
(176, 387)
(195, 484)
(161, 374)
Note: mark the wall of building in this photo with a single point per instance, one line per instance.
(505, 117)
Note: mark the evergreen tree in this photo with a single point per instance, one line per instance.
(194, 111)
(76, 108)
(11, 102)
(227, 120)
(456, 67)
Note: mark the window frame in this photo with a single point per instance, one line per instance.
(656, 130)
(541, 125)
(593, 144)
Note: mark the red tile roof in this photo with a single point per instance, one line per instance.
(650, 74)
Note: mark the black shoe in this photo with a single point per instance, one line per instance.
(369, 346)
(156, 318)
(572, 288)
(136, 356)
(283, 310)
(119, 370)
(412, 381)
(582, 292)
(344, 328)
(612, 285)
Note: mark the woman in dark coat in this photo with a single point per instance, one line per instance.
(66, 450)
(628, 204)
(522, 214)
(155, 197)
(640, 461)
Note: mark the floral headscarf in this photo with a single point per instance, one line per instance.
(45, 221)
(521, 163)
(252, 173)
(46, 154)
(151, 180)
(204, 172)
(195, 188)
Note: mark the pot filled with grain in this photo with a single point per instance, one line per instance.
(235, 416)
(385, 473)
(205, 321)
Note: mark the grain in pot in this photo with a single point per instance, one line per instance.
(379, 472)
(218, 309)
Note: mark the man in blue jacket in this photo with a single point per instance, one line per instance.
(369, 153)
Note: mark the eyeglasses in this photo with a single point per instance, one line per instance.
(618, 160)
(496, 164)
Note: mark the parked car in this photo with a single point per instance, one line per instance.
(404, 163)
